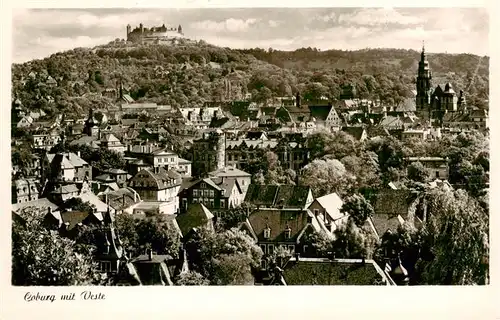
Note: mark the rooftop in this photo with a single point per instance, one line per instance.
(318, 271)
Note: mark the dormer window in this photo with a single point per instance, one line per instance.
(288, 232)
(203, 185)
(267, 233)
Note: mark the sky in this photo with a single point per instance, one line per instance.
(38, 33)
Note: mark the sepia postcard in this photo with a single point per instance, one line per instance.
(334, 151)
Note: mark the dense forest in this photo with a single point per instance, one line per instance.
(190, 74)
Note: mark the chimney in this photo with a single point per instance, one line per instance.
(297, 257)
(78, 154)
(150, 254)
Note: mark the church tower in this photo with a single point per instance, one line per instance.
(424, 77)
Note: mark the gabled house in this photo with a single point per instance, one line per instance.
(214, 193)
(65, 167)
(327, 210)
(287, 228)
(158, 185)
(359, 133)
(393, 207)
(151, 269)
(197, 216)
(226, 173)
(110, 142)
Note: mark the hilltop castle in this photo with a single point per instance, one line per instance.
(153, 35)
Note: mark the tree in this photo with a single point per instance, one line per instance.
(418, 173)
(457, 233)
(358, 209)
(327, 176)
(223, 258)
(191, 278)
(231, 218)
(354, 242)
(320, 243)
(42, 257)
(155, 232)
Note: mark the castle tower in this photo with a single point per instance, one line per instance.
(179, 30)
(129, 29)
(141, 27)
(424, 77)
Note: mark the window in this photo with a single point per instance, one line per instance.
(205, 202)
(437, 174)
(270, 248)
(195, 193)
(267, 233)
(222, 203)
(203, 185)
(184, 203)
(291, 248)
(195, 200)
(288, 232)
(263, 247)
(211, 193)
(211, 203)
(304, 248)
(316, 212)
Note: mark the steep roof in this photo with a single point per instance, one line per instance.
(278, 220)
(356, 131)
(393, 202)
(73, 218)
(320, 112)
(332, 204)
(197, 215)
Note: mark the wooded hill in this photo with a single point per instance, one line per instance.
(192, 73)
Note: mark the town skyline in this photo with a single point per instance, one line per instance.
(35, 36)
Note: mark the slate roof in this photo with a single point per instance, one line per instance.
(393, 202)
(385, 222)
(196, 216)
(317, 271)
(278, 220)
(73, 218)
(287, 196)
(320, 112)
(356, 131)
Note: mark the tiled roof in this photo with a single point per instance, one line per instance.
(316, 271)
(73, 218)
(271, 195)
(159, 180)
(393, 202)
(356, 132)
(385, 222)
(197, 215)
(121, 199)
(278, 220)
